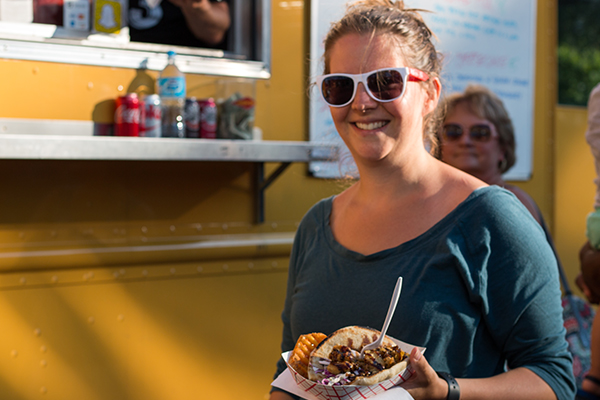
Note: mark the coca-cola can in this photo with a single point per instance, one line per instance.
(152, 115)
(127, 115)
(208, 118)
(191, 114)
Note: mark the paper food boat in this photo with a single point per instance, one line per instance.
(351, 392)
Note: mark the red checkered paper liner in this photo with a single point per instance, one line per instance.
(351, 392)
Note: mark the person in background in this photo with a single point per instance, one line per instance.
(589, 282)
(589, 255)
(477, 137)
(482, 295)
(592, 136)
(192, 23)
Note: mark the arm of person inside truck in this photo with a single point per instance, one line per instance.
(192, 23)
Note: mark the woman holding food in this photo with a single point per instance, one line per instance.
(480, 291)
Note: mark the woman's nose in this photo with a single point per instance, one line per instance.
(465, 138)
(362, 100)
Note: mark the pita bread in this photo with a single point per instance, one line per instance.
(354, 337)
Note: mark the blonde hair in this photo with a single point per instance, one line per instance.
(406, 26)
(485, 104)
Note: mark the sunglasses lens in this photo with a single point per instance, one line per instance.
(452, 132)
(386, 85)
(337, 90)
(481, 133)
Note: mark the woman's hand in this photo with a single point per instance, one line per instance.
(424, 382)
(519, 383)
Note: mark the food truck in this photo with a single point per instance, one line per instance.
(155, 268)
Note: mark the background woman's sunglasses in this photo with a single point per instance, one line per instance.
(478, 133)
(388, 84)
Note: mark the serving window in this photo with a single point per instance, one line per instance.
(102, 32)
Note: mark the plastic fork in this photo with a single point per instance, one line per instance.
(388, 319)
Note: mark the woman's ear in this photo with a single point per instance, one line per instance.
(502, 159)
(433, 92)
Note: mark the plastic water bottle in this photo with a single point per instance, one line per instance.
(171, 88)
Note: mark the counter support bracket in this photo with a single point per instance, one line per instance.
(261, 184)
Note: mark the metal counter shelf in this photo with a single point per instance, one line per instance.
(71, 147)
(14, 146)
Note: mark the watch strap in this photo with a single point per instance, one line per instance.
(453, 388)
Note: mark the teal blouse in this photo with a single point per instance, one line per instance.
(480, 290)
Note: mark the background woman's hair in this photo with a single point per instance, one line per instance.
(487, 105)
(406, 26)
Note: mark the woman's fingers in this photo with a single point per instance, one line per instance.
(424, 382)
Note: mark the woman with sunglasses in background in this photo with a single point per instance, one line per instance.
(477, 137)
(479, 293)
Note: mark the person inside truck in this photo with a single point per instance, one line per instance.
(191, 23)
(480, 293)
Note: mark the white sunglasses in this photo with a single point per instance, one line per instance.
(384, 85)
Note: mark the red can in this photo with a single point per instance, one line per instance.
(48, 12)
(151, 116)
(208, 118)
(191, 114)
(127, 115)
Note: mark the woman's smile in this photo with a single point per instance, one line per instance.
(369, 126)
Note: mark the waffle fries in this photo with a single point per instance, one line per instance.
(304, 346)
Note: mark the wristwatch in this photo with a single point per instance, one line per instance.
(453, 388)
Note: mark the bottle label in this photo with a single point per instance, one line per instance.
(173, 87)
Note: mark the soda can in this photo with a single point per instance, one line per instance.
(127, 115)
(191, 114)
(208, 118)
(152, 116)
